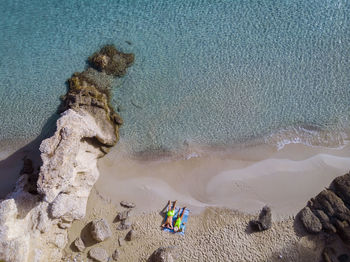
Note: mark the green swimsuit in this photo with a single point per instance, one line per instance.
(171, 213)
(178, 223)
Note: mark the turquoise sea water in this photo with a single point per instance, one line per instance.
(206, 72)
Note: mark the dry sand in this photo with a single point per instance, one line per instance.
(217, 234)
(214, 186)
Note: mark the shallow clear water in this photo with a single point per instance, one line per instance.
(206, 72)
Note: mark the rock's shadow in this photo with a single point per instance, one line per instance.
(11, 166)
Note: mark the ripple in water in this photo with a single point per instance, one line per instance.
(214, 73)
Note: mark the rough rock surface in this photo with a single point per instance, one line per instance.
(98, 254)
(123, 215)
(329, 210)
(131, 235)
(88, 126)
(79, 244)
(100, 230)
(124, 225)
(127, 204)
(162, 254)
(264, 222)
(311, 222)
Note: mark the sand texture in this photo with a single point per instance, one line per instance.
(217, 234)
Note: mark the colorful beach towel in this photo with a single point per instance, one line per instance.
(184, 220)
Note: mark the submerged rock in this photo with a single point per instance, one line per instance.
(264, 222)
(111, 61)
(100, 230)
(162, 254)
(99, 254)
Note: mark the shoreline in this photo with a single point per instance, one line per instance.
(243, 179)
(248, 177)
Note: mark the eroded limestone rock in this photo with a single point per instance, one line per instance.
(100, 230)
(34, 218)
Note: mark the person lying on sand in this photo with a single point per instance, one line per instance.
(178, 222)
(171, 212)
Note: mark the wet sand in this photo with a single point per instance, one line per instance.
(243, 179)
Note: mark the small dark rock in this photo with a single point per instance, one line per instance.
(123, 215)
(27, 166)
(127, 204)
(264, 222)
(124, 225)
(115, 255)
(311, 223)
(162, 254)
(131, 235)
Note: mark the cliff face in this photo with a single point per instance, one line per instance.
(35, 216)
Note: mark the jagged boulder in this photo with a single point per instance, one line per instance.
(264, 222)
(115, 255)
(100, 230)
(162, 254)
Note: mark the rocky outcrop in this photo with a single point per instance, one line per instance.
(329, 211)
(35, 216)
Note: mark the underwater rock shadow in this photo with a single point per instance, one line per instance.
(11, 166)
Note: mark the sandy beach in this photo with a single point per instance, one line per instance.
(243, 179)
(223, 193)
(223, 190)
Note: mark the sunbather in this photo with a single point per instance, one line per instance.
(171, 212)
(178, 222)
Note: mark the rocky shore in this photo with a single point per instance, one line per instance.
(34, 217)
(328, 214)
